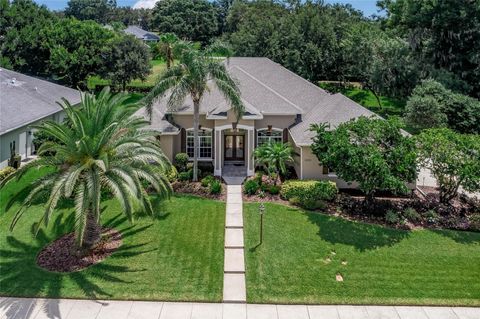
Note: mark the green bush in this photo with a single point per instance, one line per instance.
(172, 174)
(274, 189)
(185, 176)
(312, 204)
(251, 187)
(4, 172)
(411, 214)
(207, 180)
(474, 222)
(392, 217)
(308, 191)
(181, 161)
(432, 217)
(215, 187)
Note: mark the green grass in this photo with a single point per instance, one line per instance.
(158, 67)
(384, 266)
(177, 255)
(390, 105)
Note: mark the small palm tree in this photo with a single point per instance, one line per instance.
(192, 76)
(274, 157)
(101, 147)
(166, 47)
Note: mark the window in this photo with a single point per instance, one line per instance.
(264, 136)
(205, 143)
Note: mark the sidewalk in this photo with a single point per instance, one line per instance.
(22, 308)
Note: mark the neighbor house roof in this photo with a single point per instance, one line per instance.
(267, 88)
(25, 99)
(141, 34)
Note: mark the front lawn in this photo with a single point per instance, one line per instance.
(178, 255)
(302, 253)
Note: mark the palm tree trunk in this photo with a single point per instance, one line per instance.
(93, 232)
(169, 58)
(196, 121)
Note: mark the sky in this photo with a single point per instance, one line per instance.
(367, 6)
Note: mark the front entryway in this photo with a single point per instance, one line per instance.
(234, 150)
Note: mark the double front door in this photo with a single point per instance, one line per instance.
(234, 147)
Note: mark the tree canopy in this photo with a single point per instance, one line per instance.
(453, 159)
(371, 151)
(125, 60)
(194, 20)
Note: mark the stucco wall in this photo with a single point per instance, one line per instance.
(166, 143)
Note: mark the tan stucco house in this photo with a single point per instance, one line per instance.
(280, 106)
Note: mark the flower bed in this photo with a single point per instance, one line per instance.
(196, 188)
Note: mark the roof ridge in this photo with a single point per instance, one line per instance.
(270, 89)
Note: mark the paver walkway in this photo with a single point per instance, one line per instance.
(19, 308)
(234, 290)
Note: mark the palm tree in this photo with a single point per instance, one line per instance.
(100, 148)
(166, 47)
(196, 72)
(274, 156)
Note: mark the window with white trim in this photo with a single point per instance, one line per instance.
(265, 136)
(204, 145)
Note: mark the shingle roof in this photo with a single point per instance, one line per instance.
(141, 34)
(268, 88)
(333, 109)
(25, 99)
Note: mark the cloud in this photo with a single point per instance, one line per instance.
(145, 4)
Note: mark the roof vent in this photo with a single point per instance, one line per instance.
(13, 80)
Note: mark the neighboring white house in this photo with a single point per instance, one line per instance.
(141, 34)
(280, 106)
(26, 101)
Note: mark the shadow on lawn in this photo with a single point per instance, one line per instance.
(18, 264)
(459, 236)
(359, 235)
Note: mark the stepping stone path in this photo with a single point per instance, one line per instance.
(234, 290)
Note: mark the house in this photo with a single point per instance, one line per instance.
(27, 101)
(279, 106)
(141, 34)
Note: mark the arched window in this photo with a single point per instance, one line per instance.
(267, 136)
(204, 145)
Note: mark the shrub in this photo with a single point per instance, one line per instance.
(392, 217)
(309, 190)
(274, 189)
(312, 204)
(215, 187)
(181, 161)
(4, 172)
(251, 187)
(172, 174)
(432, 217)
(184, 176)
(264, 187)
(474, 222)
(411, 214)
(207, 180)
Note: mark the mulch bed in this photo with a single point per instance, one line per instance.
(196, 188)
(60, 255)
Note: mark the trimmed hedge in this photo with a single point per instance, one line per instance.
(308, 191)
(215, 187)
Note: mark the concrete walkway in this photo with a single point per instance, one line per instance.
(234, 290)
(17, 308)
